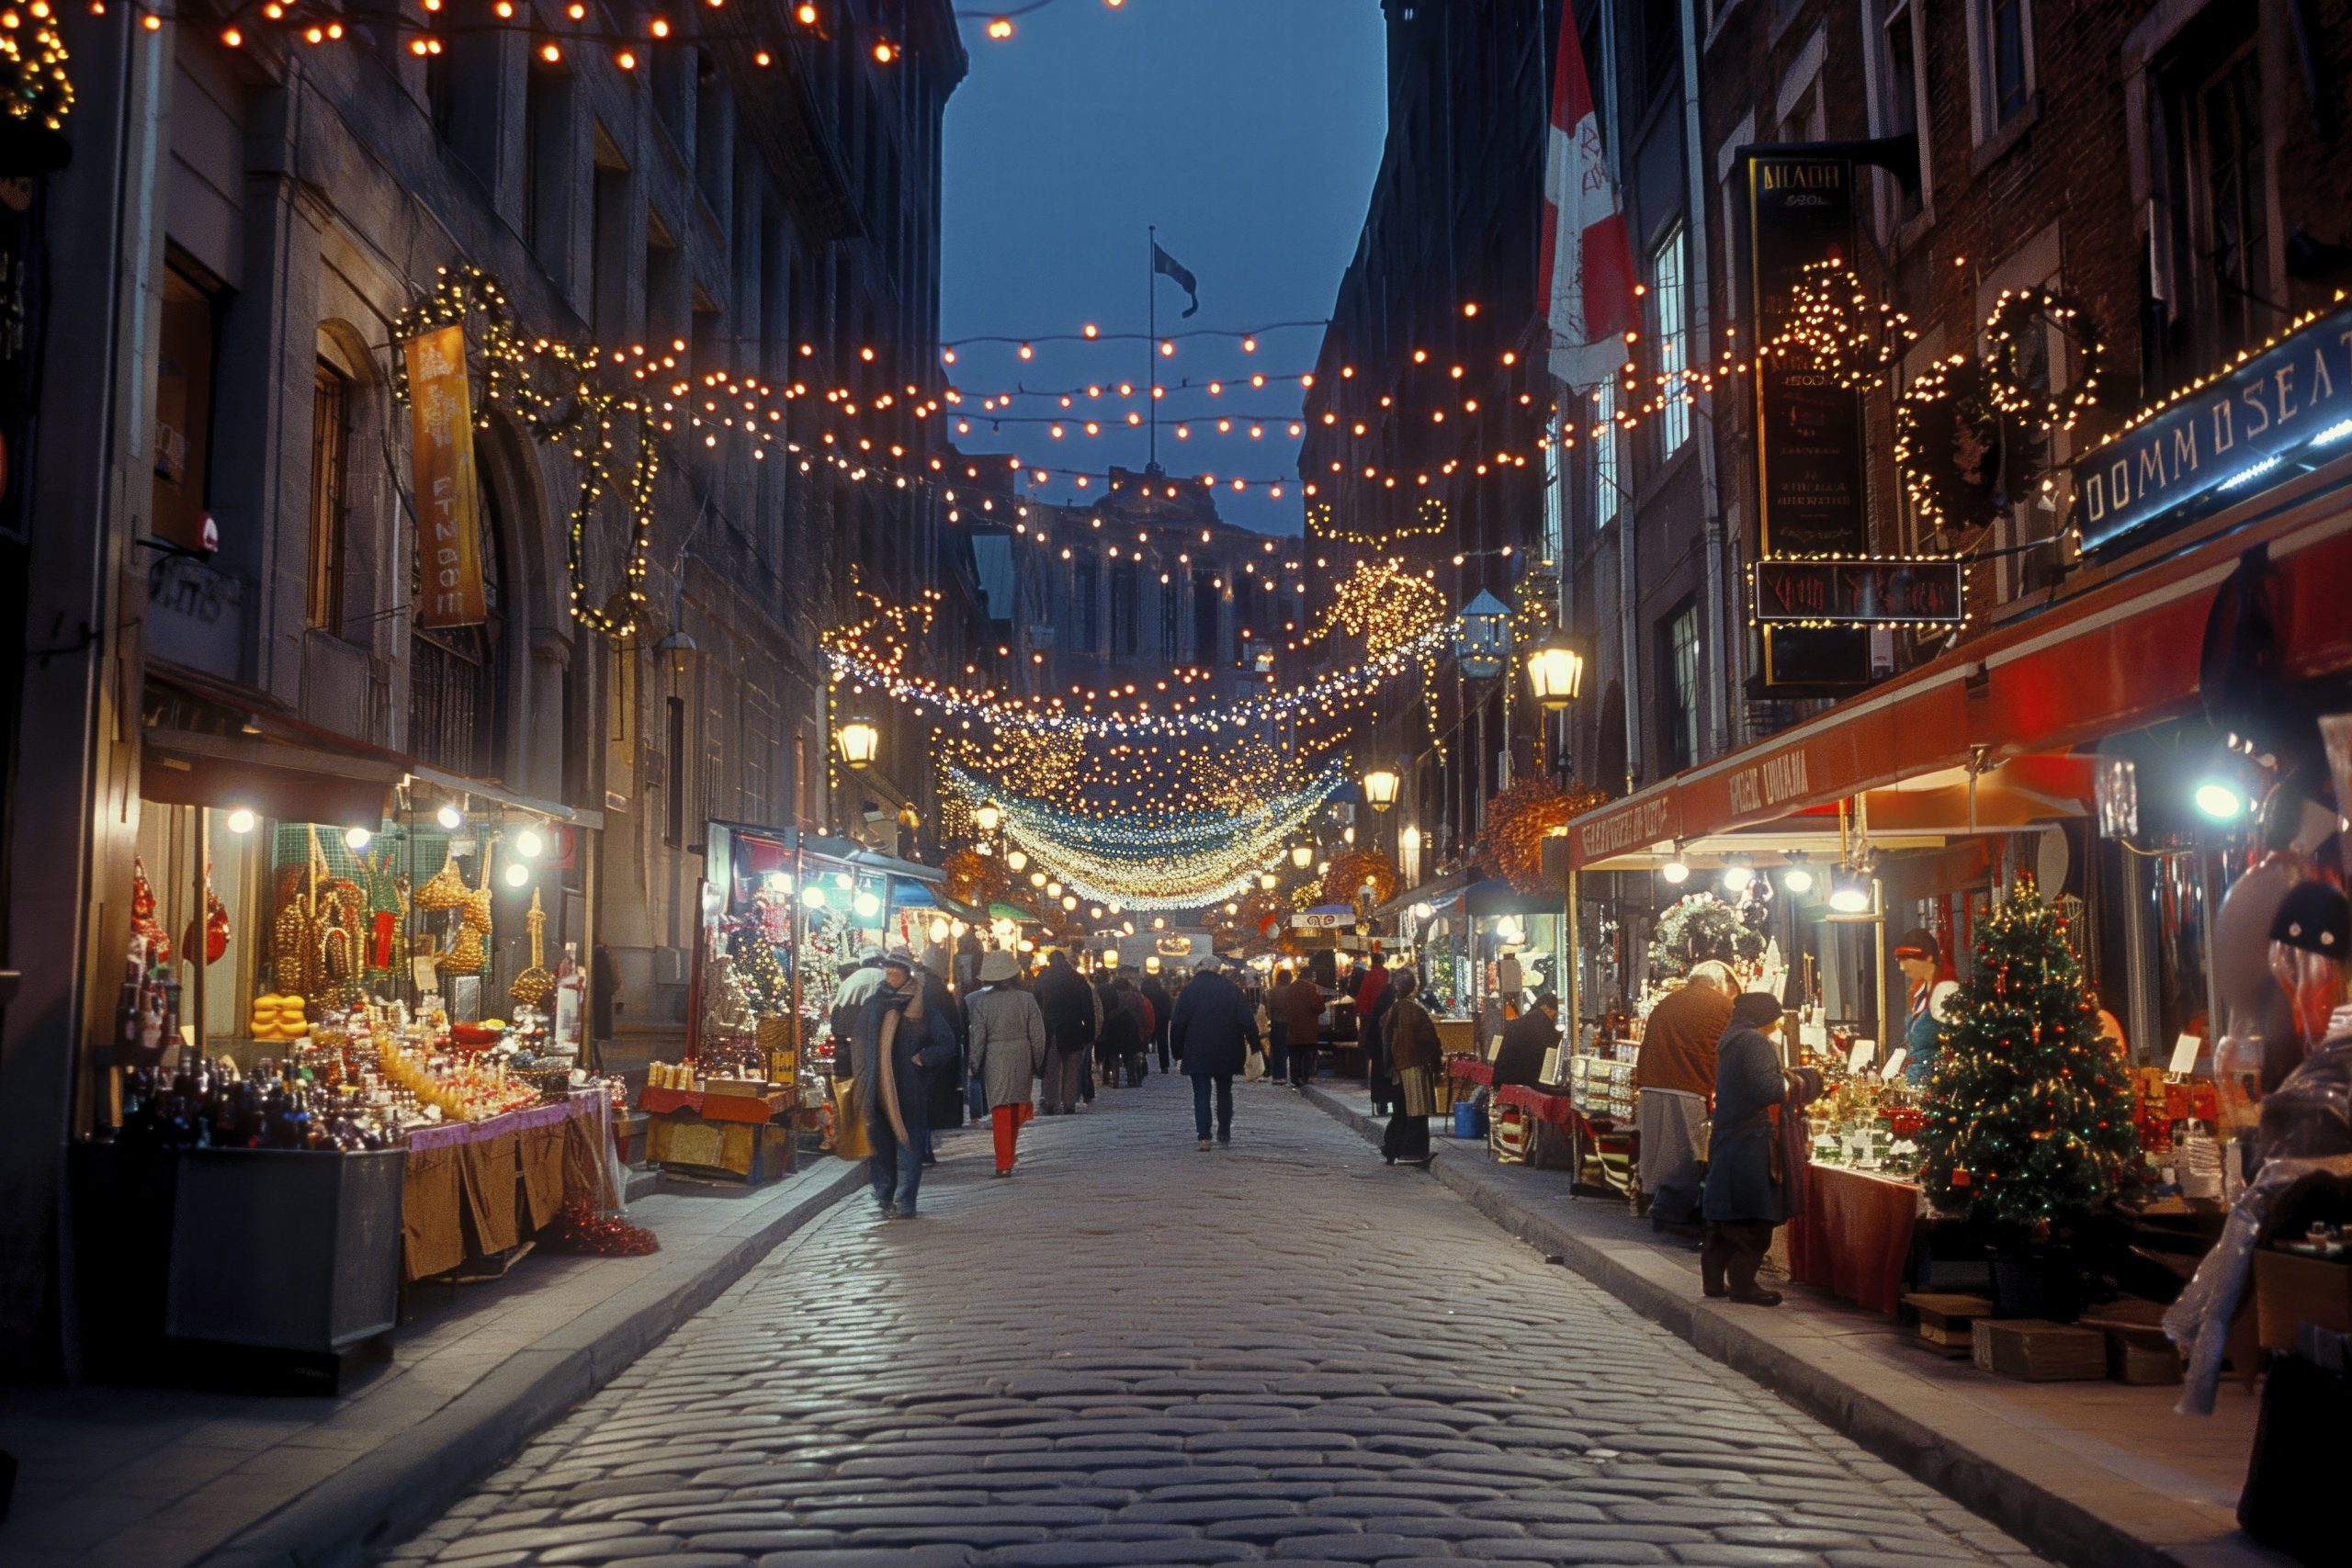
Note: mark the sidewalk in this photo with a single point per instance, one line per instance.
(2098, 1475)
(165, 1478)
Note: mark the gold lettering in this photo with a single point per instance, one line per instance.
(2252, 398)
(2184, 448)
(2152, 462)
(2285, 377)
(2323, 384)
(2224, 435)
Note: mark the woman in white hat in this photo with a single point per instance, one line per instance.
(1007, 1035)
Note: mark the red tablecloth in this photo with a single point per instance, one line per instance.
(1854, 1234)
(709, 1107)
(1556, 1108)
(1469, 1069)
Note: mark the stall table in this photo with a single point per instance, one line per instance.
(469, 1186)
(702, 1133)
(1854, 1234)
(1470, 1070)
(1596, 1145)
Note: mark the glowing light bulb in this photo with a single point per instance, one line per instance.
(450, 818)
(1000, 27)
(531, 843)
(240, 821)
(517, 876)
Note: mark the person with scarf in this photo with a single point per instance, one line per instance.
(1008, 1046)
(1414, 1056)
(1747, 1166)
(1930, 984)
(898, 1042)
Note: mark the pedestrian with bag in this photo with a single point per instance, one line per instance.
(1299, 1006)
(1008, 1049)
(1414, 1056)
(1214, 1033)
(1068, 1002)
(1372, 1029)
(899, 1043)
(1746, 1175)
(945, 1102)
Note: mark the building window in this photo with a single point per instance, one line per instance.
(454, 681)
(182, 436)
(330, 448)
(1898, 100)
(2212, 283)
(673, 821)
(1126, 606)
(1661, 41)
(1673, 341)
(2229, 116)
(1606, 494)
(2004, 31)
(1171, 620)
(1206, 595)
(1682, 698)
(1086, 585)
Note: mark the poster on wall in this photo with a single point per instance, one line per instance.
(448, 494)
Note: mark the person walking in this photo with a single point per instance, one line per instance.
(1214, 1031)
(944, 1087)
(898, 1042)
(1163, 1007)
(1372, 1027)
(1414, 1056)
(1135, 1059)
(1121, 1035)
(1674, 1071)
(1007, 1035)
(1067, 1004)
(1746, 1194)
(1298, 1004)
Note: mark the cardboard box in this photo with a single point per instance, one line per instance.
(2290, 1290)
(2037, 1350)
(1947, 1321)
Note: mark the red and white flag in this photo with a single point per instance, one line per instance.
(1588, 268)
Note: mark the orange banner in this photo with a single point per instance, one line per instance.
(448, 495)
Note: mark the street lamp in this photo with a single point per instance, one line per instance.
(859, 742)
(1380, 788)
(1015, 860)
(1302, 855)
(989, 816)
(1267, 881)
(1555, 669)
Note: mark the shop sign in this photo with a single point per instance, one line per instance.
(1635, 827)
(1861, 592)
(2279, 415)
(448, 494)
(1322, 919)
(1768, 782)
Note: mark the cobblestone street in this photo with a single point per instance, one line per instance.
(1135, 1352)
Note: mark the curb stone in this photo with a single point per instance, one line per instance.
(389, 1494)
(2013, 1497)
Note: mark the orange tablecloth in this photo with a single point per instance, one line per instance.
(709, 1107)
(1854, 1234)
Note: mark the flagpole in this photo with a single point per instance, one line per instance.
(1152, 334)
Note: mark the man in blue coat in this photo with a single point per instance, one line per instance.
(899, 1042)
(1214, 1030)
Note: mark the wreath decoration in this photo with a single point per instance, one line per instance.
(1352, 870)
(1701, 927)
(1518, 820)
(974, 879)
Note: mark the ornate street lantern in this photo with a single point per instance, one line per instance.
(1483, 642)
(1302, 855)
(1555, 671)
(1380, 788)
(859, 742)
(989, 815)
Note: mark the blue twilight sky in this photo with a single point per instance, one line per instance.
(1248, 130)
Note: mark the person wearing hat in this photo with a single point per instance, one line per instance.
(1415, 1055)
(1674, 1071)
(1007, 1040)
(1746, 1192)
(857, 978)
(1930, 984)
(1214, 1030)
(898, 1042)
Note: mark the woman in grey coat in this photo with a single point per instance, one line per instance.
(1006, 1039)
(1745, 1191)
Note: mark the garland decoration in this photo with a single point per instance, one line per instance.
(1518, 820)
(1701, 927)
(1352, 870)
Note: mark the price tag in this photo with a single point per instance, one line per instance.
(1893, 1068)
(2184, 1055)
(1860, 1058)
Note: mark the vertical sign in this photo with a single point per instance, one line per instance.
(448, 496)
(1809, 430)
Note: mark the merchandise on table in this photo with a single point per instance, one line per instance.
(1864, 1122)
(1601, 1080)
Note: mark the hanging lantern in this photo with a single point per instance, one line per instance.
(860, 741)
(1016, 860)
(1302, 855)
(989, 815)
(1482, 643)
(1555, 669)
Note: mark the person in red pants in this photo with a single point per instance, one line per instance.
(1007, 1035)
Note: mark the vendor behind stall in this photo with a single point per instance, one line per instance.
(1932, 984)
(1527, 1040)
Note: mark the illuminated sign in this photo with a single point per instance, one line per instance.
(1861, 592)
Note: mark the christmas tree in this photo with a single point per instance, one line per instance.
(767, 989)
(2029, 1112)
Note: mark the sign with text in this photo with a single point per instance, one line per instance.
(448, 494)
(1810, 499)
(2279, 415)
(1860, 592)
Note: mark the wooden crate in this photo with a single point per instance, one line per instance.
(1946, 1321)
(2291, 1290)
(2137, 1350)
(2037, 1350)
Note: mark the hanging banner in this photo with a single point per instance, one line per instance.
(448, 495)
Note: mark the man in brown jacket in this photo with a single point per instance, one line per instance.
(1298, 1006)
(1673, 1075)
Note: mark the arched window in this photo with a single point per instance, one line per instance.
(456, 673)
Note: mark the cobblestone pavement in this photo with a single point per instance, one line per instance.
(1135, 1352)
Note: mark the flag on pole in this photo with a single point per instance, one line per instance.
(1588, 266)
(1169, 267)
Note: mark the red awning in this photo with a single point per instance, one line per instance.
(2116, 657)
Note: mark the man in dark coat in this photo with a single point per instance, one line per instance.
(1371, 1026)
(898, 1042)
(944, 1099)
(1745, 1183)
(1527, 1040)
(1162, 1006)
(1214, 1030)
(1069, 1006)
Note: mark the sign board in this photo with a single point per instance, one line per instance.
(1809, 475)
(1861, 592)
(1322, 919)
(2281, 414)
(448, 494)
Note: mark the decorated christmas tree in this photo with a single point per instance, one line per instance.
(2029, 1112)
